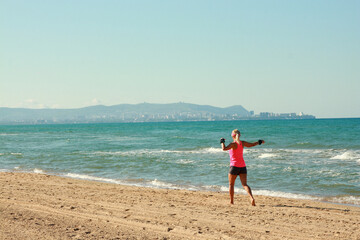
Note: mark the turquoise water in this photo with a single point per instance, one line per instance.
(310, 159)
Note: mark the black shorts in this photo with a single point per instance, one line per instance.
(237, 170)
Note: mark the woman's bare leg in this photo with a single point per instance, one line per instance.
(232, 179)
(243, 178)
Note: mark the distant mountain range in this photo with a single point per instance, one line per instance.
(144, 112)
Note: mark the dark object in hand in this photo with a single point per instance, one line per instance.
(260, 142)
(222, 140)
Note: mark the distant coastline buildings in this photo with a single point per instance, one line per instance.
(270, 115)
(178, 112)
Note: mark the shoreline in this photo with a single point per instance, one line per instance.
(242, 192)
(238, 190)
(40, 206)
(221, 189)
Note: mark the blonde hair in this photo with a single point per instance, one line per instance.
(236, 133)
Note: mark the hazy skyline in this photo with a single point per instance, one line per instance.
(268, 56)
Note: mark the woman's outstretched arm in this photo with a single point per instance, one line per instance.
(247, 144)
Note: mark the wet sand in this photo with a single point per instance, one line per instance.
(39, 206)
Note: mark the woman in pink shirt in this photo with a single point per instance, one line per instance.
(237, 163)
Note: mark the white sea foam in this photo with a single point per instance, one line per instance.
(165, 151)
(39, 171)
(348, 155)
(158, 151)
(226, 189)
(159, 184)
(185, 161)
(16, 154)
(268, 155)
(212, 150)
(140, 182)
(318, 153)
(198, 151)
(13, 154)
(283, 194)
(263, 193)
(92, 178)
(284, 152)
(108, 153)
(306, 151)
(166, 185)
(346, 199)
(270, 193)
(214, 188)
(288, 169)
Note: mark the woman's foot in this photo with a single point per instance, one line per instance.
(253, 202)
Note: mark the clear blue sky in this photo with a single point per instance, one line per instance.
(274, 56)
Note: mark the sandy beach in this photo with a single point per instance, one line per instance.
(39, 206)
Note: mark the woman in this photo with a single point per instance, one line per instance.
(237, 163)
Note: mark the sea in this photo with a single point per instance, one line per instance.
(316, 159)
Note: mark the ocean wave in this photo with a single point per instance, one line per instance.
(354, 200)
(265, 153)
(285, 151)
(159, 151)
(268, 193)
(212, 150)
(131, 182)
(102, 153)
(198, 151)
(155, 183)
(284, 194)
(92, 178)
(132, 153)
(306, 145)
(288, 169)
(185, 161)
(160, 184)
(39, 171)
(348, 155)
(332, 154)
(12, 154)
(268, 155)
(251, 153)
(307, 151)
(16, 154)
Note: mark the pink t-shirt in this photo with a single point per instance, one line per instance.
(236, 156)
